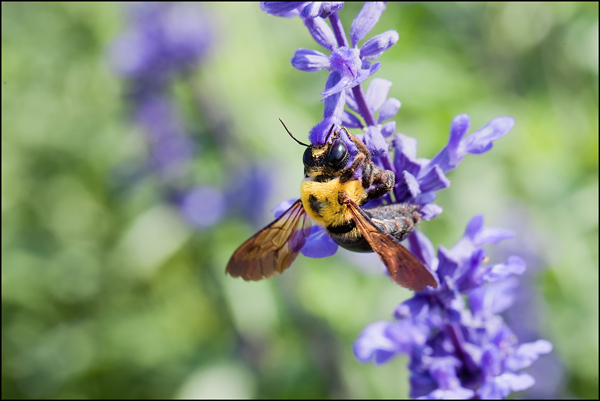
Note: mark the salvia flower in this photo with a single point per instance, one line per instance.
(458, 345)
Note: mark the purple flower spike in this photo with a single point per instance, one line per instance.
(468, 351)
(459, 347)
(365, 20)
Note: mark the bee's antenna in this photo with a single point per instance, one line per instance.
(288, 131)
(329, 133)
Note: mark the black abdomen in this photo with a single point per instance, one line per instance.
(397, 220)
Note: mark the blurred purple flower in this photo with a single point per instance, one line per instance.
(247, 192)
(170, 147)
(161, 39)
(164, 42)
(203, 206)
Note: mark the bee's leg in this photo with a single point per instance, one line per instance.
(348, 174)
(380, 181)
(362, 159)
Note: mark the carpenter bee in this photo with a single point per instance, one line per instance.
(332, 196)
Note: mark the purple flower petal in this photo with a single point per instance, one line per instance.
(334, 104)
(406, 334)
(405, 155)
(474, 227)
(416, 308)
(342, 84)
(388, 129)
(377, 93)
(434, 180)
(351, 101)
(346, 61)
(321, 32)
(374, 68)
(349, 120)
(449, 158)
(422, 248)
(321, 9)
(298, 239)
(286, 9)
(373, 341)
(482, 140)
(492, 235)
(513, 265)
(430, 211)
(330, 7)
(375, 46)
(443, 370)
(309, 60)
(527, 353)
(457, 393)
(375, 141)
(412, 184)
(282, 207)
(318, 133)
(319, 244)
(389, 109)
(421, 385)
(494, 298)
(365, 20)
(501, 386)
(447, 265)
(406, 146)
(311, 10)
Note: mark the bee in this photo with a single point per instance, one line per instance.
(332, 197)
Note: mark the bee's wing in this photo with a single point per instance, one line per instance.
(405, 269)
(272, 249)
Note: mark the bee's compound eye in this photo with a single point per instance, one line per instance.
(337, 154)
(307, 158)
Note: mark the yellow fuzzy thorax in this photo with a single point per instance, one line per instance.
(328, 193)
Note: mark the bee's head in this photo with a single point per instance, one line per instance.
(328, 159)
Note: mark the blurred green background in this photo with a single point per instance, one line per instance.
(108, 293)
